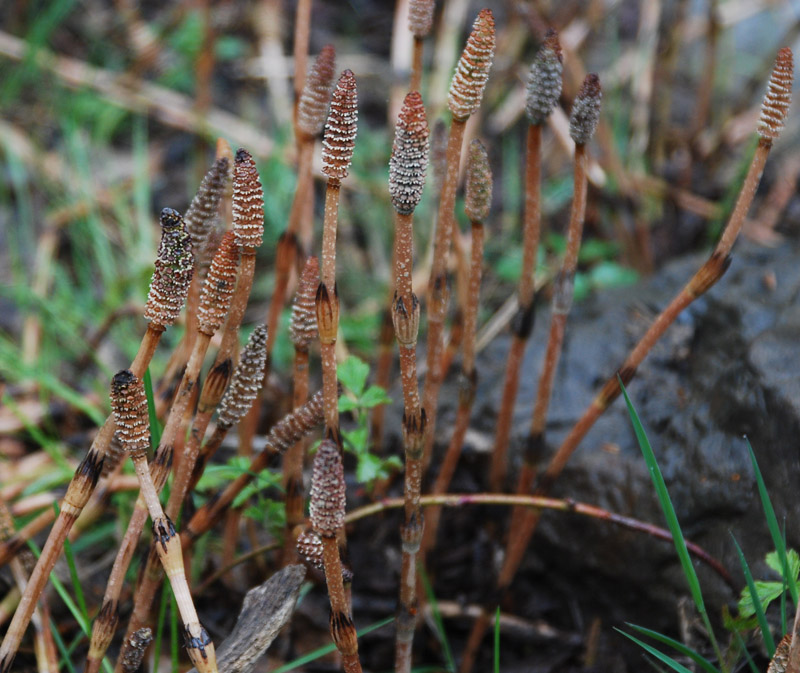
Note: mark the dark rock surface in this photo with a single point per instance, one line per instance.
(727, 368)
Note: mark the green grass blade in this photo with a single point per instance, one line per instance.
(772, 523)
(322, 651)
(679, 647)
(173, 633)
(162, 615)
(672, 519)
(669, 661)
(155, 426)
(59, 641)
(497, 640)
(76, 583)
(743, 648)
(769, 643)
(437, 619)
(666, 505)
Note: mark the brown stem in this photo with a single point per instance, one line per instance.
(536, 503)
(523, 322)
(437, 285)
(328, 308)
(467, 389)
(293, 462)
(415, 83)
(406, 324)
(302, 34)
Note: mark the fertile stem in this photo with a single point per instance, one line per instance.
(130, 408)
(327, 518)
(407, 167)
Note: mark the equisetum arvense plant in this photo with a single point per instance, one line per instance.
(326, 512)
(129, 403)
(544, 90)
(337, 153)
(302, 332)
(773, 112)
(466, 93)
(407, 168)
(188, 249)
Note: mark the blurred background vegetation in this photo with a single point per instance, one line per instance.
(109, 112)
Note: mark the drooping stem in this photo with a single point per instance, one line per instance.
(282, 435)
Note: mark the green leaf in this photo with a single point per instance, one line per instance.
(437, 620)
(374, 396)
(368, 468)
(612, 274)
(774, 561)
(765, 591)
(347, 404)
(353, 374)
(357, 439)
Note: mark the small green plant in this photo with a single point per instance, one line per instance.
(264, 509)
(755, 597)
(359, 399)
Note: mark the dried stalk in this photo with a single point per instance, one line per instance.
(406, 181)
(337, 153)
(478, 201)
(773, 113)
(171, 278)
(44, 647)
(466, 92)
(130, 409)
(327, 518)
(544, 90)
